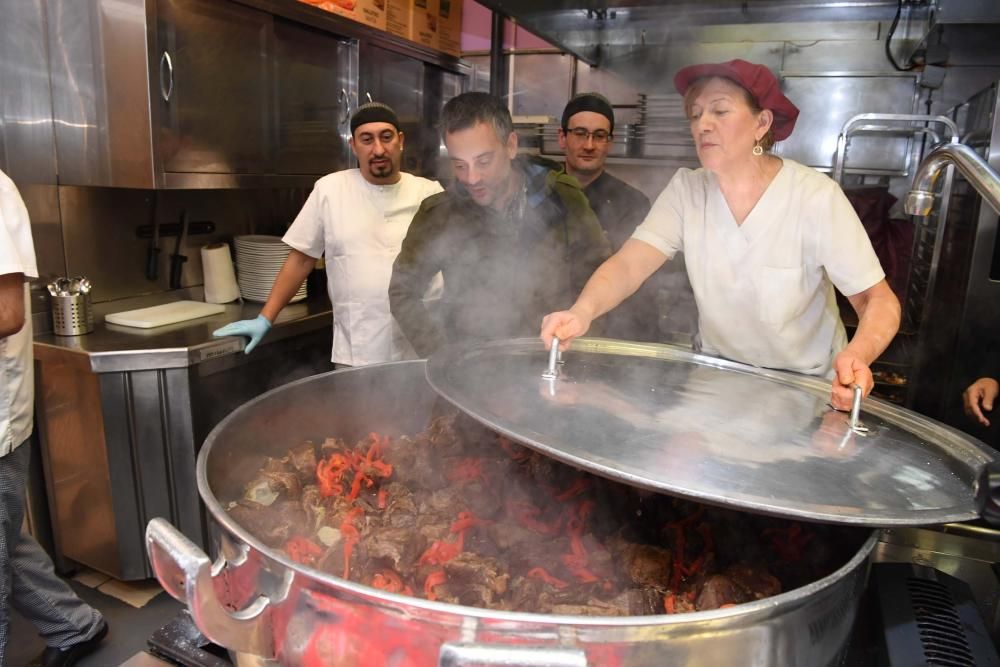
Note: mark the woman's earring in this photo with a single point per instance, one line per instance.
(758, 150)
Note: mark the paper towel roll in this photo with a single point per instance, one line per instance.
(220, 278)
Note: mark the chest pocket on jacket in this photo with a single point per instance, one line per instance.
(782, 294)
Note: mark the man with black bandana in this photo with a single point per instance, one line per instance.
(588, 125)
(357, 218)
(510, 236)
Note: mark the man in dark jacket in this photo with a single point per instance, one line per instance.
(512, 238)
(588, 125)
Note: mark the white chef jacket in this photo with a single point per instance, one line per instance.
(764, 289)
(360, 228)
(17, 255)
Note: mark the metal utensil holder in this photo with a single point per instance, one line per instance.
(72, 314)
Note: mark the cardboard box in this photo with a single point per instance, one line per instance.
(424, 23)
(450, 26)
(369, 12)
(399, 18)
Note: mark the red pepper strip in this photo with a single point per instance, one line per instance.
(578, 568)
(467, 520)
(440, 552)
(381, 498)
(525, 513)
(303, 550)
(789, 543)
(351, 537)
(695, 565)
(388, 580)
(541, 573)
(329, 474)
(670, 603)
(435, 578)
(576, 488)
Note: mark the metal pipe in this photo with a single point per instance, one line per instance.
(979, 173)
(498, 62)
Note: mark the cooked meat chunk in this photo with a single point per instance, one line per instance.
(303, 461)
(756, 582)
(719, 590)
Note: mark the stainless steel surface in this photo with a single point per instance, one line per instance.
(187, 574)
(805, 626)
(455, 655)
(103, 130)
(120, 430)
(168, 121)
(827, 103)
(716, 431)
(114, 348)
(976, 170)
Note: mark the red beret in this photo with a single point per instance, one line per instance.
(758, 79)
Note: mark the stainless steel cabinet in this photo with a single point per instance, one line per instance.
(196, 94)
(211, 85)
(315, 77)
(416, 91)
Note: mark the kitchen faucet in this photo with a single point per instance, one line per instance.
(976, 170)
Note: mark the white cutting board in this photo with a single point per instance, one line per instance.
(168, 313)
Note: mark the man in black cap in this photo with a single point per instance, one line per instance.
(588, 125)
(357, 218)
(511, 236)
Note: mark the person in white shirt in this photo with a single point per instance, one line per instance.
(28, 583)
(357, 218)
(765, 241)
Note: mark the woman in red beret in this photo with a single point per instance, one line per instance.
(765, 241)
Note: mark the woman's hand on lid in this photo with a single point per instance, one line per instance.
(564, 325)
(850, 370)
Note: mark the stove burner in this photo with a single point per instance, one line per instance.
(180, 641)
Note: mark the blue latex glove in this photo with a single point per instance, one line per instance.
(255, 330)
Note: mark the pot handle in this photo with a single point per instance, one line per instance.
(455, 654)
(185, 572)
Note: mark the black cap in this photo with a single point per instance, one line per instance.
(374, 112)
(588, 102)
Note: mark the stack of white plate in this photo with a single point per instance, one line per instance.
(258, 261)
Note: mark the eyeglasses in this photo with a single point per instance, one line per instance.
(582, 134)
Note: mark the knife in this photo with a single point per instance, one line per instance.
(177, 259)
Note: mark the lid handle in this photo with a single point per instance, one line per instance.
(854, 421)
(988, 493)
(551, 373)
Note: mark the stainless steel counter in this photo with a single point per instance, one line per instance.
(112, 348)
(121, 414)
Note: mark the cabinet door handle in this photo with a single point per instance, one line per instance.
(166, 76)
(369, 96)
(345, 99)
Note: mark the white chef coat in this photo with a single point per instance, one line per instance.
(360, 228)
(17, 255)
(764, 289)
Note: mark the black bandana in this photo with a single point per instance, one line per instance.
(588, 102)
(373, 112)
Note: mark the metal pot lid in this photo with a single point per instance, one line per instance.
(663, 418)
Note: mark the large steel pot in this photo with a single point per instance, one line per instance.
(269, 610)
